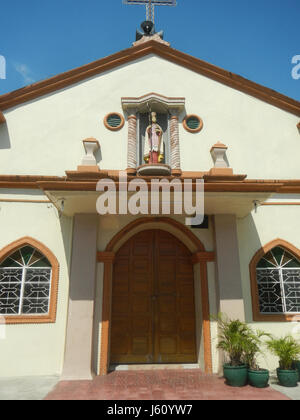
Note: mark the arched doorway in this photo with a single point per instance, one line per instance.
(153, 303)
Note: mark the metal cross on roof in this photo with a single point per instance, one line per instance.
(150, 5)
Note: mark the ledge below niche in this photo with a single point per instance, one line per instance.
(154, 169)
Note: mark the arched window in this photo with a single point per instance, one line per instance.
(28, 282)
(275, 272)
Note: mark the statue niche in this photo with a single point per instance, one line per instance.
(154, 150)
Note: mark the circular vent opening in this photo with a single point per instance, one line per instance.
(114, 121)
(193, 123)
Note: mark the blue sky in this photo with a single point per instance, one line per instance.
(254, 38)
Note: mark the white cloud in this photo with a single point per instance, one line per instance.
(25, 72)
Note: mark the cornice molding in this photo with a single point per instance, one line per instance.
(87, 181)
(140, 103)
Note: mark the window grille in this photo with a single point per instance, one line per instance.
(278, 279)
(25, 283)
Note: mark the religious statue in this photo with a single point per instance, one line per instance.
(154, 145)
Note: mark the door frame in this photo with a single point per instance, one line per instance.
(199, 256)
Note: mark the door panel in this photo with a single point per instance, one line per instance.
(153, 309)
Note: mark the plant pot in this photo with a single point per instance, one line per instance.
(288, 378)
(236, 376)
(297, 366)
(258, 378)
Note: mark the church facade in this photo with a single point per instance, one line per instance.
(81, 292)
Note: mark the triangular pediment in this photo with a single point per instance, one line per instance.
(71, 77)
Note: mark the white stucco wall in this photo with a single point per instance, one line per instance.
(37, 349)
(255, 231)
(45, 136)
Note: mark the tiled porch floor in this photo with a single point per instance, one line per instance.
(158, 385)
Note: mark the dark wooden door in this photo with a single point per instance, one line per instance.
(153, 309)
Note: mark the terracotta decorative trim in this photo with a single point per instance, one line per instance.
(150, 95)
(25, 201)
(206, 318)
(91, 140)
(81, 181)
(87, 169)
(221, 175)
(26, 181)
(145, 221)
(107, 295)
(281, 204)
(106, 322)
(132, 141)
(33, 319)
(86, 173)
(190, 130)
(122, 123)
(151, 99)
(175, 144)
(131, 171)
(147, 38)
(218, 186)
(106, 257)
(2, 118)
(257, 316)
(134, 53)
(199, 257)
(176, 172)
(219, 145)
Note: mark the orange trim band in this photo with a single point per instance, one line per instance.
(25, 201)
(281, 204)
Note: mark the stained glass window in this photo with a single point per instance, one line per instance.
(25, 283)
(278, 279)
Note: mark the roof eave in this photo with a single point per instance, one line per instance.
(2, 118)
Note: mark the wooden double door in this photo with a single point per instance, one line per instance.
(153, 306)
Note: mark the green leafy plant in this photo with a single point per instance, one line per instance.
(233, 339)
(287, 349)
(253, 347)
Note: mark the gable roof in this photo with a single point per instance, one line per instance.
(68, 78)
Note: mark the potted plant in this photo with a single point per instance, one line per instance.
(259, 378)
(287, 349)
(296, 365)
(232, 340)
